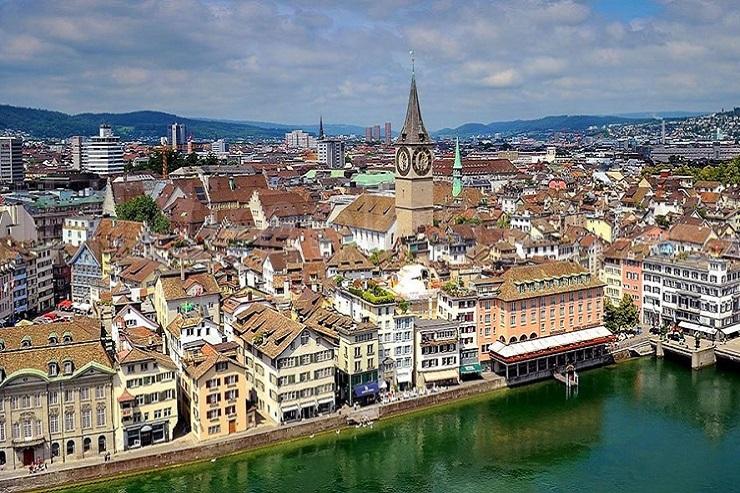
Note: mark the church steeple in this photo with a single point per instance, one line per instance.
(321, 127)
(457, 185)
(413, 131)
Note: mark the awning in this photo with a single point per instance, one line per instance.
(366, 389)
(326, 400)
(145, 429)
(292, 407)
(731, 330)
(439, 375)
(471, 368)
(697, 327)
(404, 376)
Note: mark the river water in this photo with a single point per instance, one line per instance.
(644, 425)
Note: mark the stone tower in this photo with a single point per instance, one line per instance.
(414, 160)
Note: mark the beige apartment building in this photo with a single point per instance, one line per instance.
(214, 391)
(186, 291)
(145, 388)
(55, 393)
(290, 367)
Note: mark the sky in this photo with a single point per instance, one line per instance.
(290, 61)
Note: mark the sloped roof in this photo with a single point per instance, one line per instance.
(371, 212)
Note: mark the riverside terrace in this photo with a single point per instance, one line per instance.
(540, 358)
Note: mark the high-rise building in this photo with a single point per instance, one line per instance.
(103, 153)
(414, 160)
(368, 134)
(178, 136)
(299, 139)
(376, 133)
(387, 133)
(11, 160)
(219, 146)
(77, 144)
(331, 152)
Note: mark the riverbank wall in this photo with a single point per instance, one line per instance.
(123, 466)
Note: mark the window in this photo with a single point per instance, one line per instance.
(2, 431)
(26, 401)
(69, 421)
(358, 366)
(68, 367)
(100, 421)
(55, 449)
(212, 430)
(70, 447)
(26, 342)
(85, 394)
(54, 423)
(53, 369)
(99, 391)
(101, 444)
(27, 429)
(222, 366)
(86, 445)
(86, 419)
(305, 337)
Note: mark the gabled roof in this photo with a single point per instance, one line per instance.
(266, 329)
(371, 212)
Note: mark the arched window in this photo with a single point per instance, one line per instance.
(86, 444)
(533, 335)
(55, 449)
(53, 338)
(26, 342)
(502, 339)
(513, 339)
(101, 444)
(2, 345)
(53, 369)
(2, 458)
(523, 337)
(69, 367)
(70, 447)
(67, 338)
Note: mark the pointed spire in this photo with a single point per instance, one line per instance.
(413, 131)
(458, 160)
(457, 184)
(321, 127)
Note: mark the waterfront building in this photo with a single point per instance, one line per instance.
(290, 367)
(378, 306)
(622, 271)
(145, 389)
(437, 353)
(213, 391)
(11, 161)
(186, 291)
(103, 153)
(486, 311)
(699, 294)
(547, 299)
(458, 304)
(55, 393)
(78, 229)
(414, 162)
(356, 344)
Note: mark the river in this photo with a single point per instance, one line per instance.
(644, 425)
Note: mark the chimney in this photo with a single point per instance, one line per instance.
(182, 270)
(249, 295)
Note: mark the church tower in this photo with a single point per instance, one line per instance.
(414, 159)
(457, 184)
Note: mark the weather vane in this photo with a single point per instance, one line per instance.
(411, 52)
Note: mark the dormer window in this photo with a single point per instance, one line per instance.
(2, 345)
(69, 367)
(67, 338)
(53, 339)
(53, 369)
(26, 342)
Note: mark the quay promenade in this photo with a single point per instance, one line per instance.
(186, 450)
(705, 354)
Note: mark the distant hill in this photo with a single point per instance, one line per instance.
(329, 128)
(546, 124)
(135, 125)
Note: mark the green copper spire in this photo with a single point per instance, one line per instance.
(457, 185)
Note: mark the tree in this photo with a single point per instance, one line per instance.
(662, 221)
(144, 209)
(504, 221)
(624, 316)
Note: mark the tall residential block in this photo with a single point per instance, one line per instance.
(11, 160)
(103, 153)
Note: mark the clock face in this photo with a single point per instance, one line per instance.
(423, 162)
(403, 161)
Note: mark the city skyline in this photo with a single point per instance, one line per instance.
(283, 62)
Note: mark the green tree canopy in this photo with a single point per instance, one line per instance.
(624, 316)
(144, 209)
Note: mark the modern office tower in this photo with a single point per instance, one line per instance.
(11, 160)
(388, 134)
(78, 151)
(299, 139)
(178, 136)
(376, 133)
(103, 153)
(368, 134)
(331, 152)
